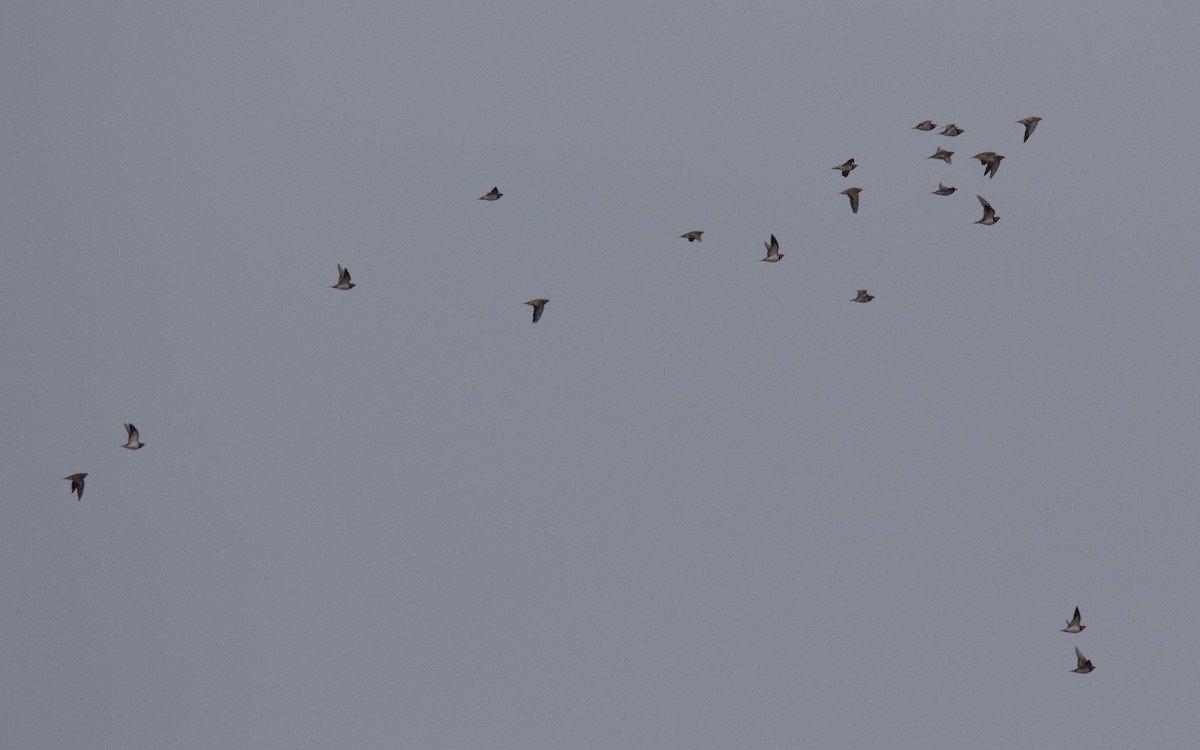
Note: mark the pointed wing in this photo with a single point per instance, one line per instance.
(537, 312)
(1074, 620)
(988, 211)
(854, 202)
(1082, 660)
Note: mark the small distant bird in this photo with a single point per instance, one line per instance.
(951, 130)
(943, 190)
(343, 279)
(76, 481)
(989, 213)
(773, 254)
(847, 168)
(538, 306)
(925, 125)
(134, 442)
(863, 297)
(852, 193)
(990, 160)
(1030, 124)
(1084, 664)
(942, 154)
(494, 195)
(1074, 625)
(693, 236)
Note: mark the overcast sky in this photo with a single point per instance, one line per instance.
(706, 502)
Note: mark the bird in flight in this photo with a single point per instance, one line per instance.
(1083, 664)
(943, 190)
(1074, 625)
(134, 440)
(1030, 124)
(343, 279)
(692, 236)
(942, 154)
(76, 481)
(925, 125)
(990, 160)
(773, 254)
(494, 195)
(847, 168)
(989, 213)
(852, 194)
(538, 306)
(951, 130)
(863, 297)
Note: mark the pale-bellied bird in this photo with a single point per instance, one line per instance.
(134, 441)
(343, 279)
(1074, 625)
(494, 195)
(773, 254)
(847, 168)
(863, 296)
(693, 236)
(989, 213)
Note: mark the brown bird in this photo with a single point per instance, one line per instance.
(693, 236)
(863, 297)
(1030, 124)
(76, 481)
(943, 190)
(134, 440)
(494, 195)
(1084, 663)
(538, 306)
(989, 214)
(990, 160)
(1074, 625)
(773, 254)
(926, 125)
(951, 130)
(852, 193)
(344, 282)
(942, 154)
(847, 168)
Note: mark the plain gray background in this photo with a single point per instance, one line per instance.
(706, 502)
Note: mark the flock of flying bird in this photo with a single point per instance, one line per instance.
(991, 163)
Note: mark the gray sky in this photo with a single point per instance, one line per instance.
(705, 502)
